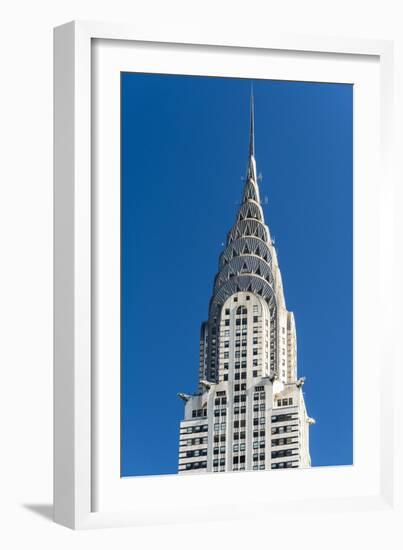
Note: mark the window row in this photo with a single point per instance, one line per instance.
(257, 456)
(196, 465)
(239, 365)
(199, 412)
(286, 452)
(282, 441)
(218, 426)
(240, 398)
(284, 417)
(197, 452)
(195, 429)
(238, 343)
(239, 423)
(220, 401)
(285, 429)
(284, 402)
(259, 444)
(284, 465)
(256, 396)
(241, 321)
(217, 450)
(194, 441)
(260, 420)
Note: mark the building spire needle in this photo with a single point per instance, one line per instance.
(251, 172)
(252, 124)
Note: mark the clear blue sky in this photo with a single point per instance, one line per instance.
(184, 150)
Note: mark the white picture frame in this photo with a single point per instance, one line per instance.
(87, 489)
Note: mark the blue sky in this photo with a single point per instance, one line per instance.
(184, 151)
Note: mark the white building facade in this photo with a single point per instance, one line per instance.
(249, 411)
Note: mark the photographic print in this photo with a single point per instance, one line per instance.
(236, 274)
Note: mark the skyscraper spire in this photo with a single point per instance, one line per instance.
(251, 190)
(251, 172)
(252, 125)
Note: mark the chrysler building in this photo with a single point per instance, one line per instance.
(249, 411)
